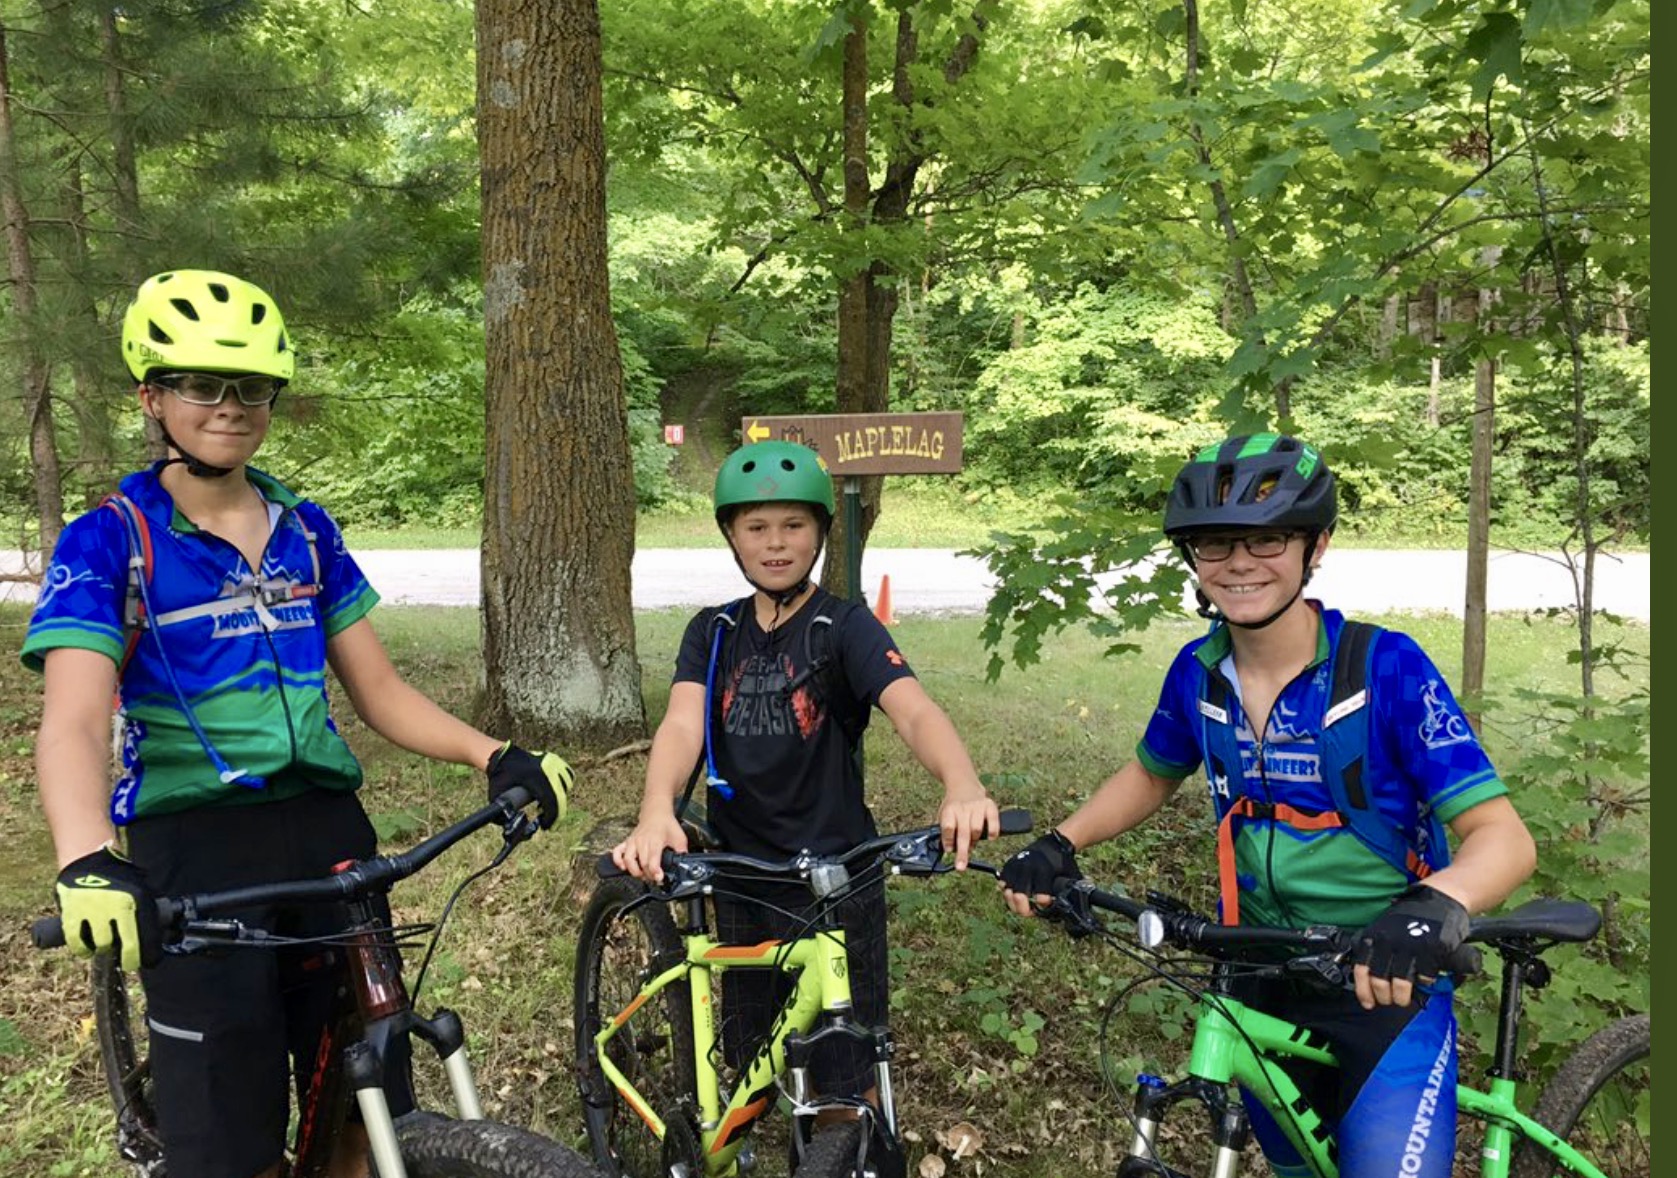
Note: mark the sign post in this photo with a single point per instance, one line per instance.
(856, 444)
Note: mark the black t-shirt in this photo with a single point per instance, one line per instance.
(787, 755)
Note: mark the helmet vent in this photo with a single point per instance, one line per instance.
(158, 336)
(749, 466)
(185, 307)
(788, 464)
(231, 343)
(258, 312)
(219, 290)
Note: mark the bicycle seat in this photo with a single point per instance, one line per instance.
(1545, 919)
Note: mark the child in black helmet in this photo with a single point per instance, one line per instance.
(779, 737)
(1327, 814)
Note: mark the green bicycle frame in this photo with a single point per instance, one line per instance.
(1235, 1044)
(822, 987)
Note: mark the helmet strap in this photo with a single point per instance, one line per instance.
(786, 596)
(194, 466)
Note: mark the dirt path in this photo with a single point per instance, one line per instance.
(700, 399)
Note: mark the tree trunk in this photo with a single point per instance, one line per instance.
(1479, 513)
(36, 376)
(855, 337)
(559, 501)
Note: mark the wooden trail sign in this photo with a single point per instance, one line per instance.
(869, 443)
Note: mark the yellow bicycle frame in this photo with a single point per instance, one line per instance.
(822, 973)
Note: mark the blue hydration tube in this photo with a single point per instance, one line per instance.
(712, 778)
(224, 771)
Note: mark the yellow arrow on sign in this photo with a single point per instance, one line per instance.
(756, 431)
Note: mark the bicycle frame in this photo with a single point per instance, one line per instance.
(1234, 1044)
(822, 987)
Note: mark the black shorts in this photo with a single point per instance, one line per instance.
(228, 1027)
(751, 998)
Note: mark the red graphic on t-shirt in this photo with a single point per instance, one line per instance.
(892, 657)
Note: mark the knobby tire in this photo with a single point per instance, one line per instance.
(434, 1147)
(832, 1153)
(127, 1068)
(616, 955)
(1591, 1102)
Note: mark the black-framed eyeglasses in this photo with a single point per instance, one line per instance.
(206, 388)
(1215, 548)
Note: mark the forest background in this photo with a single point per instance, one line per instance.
(1107, 231)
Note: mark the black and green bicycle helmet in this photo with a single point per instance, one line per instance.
(1256, 481)
(773, 472)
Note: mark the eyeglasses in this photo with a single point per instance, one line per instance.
(204, 388)
(1215, 548)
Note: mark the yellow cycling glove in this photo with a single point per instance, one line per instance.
(105, 906)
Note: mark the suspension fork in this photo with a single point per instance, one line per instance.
(1230, 1128)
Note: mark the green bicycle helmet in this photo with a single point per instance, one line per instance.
(1256, 481)
(204, 321)
(773, 472)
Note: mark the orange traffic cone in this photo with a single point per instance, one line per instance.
(882, 603)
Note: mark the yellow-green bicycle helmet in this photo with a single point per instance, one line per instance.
(204, 321)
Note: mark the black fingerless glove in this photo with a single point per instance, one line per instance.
(1041, 867)
(1414, 938)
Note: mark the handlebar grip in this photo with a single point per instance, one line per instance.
(1016, 822)
(1465, 961)
(47, 933)
(517, 797)
(606, 868)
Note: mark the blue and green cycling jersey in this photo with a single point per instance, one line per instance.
(247, 647)
(1422, 763)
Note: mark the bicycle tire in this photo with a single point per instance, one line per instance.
(1591, 1102)
(437, 1147)
(126, 1068)
(616, 954)
(832, 1152)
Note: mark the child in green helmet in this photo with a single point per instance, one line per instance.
(211, 599)
(778, 734)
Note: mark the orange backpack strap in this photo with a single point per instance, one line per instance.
(1228, 882)
(134, 526)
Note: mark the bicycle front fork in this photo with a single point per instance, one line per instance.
(879, 1042)
(1230, 1129)
(364, 1062)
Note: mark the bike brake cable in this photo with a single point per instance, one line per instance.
(448, 910)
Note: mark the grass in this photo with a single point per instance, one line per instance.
(997, 1019)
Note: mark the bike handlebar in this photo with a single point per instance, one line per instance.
(1164, 920)
(914, 852)
(353, 880)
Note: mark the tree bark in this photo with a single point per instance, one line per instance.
(1479, 513)
(868, 300)
(36, 375)
(559, 503)
(854, 391)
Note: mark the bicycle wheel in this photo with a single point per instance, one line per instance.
(434, 1147)
(1599, 1102)
(833, 1152)
(127, 1068)
(616, 954)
